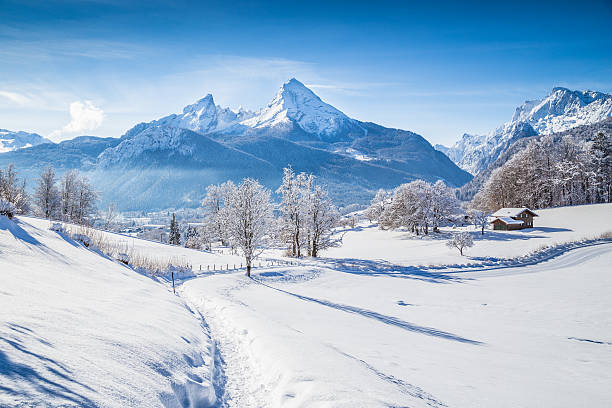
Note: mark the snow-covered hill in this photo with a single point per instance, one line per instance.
(385, 319)
(10, 141)
(80, 330)
(561, 110)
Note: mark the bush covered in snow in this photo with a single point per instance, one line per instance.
(7, 209)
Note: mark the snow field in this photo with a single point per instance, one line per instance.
(77, 329)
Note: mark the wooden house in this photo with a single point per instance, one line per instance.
(508, 219)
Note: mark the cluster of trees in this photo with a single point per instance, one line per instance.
(418, 205)
(549, 173)
(243, 217)
(71, 198)
(307, 214)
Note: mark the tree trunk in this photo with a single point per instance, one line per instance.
(461, 251)
(248, 270)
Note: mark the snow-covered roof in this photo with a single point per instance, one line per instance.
(508, 220)
(511, 212)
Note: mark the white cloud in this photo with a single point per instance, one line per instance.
(84, 117)
(14, 97)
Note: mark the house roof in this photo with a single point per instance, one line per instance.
(512, 212)
(508, 220)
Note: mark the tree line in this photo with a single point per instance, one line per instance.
(419, 206)
(70, 198)
(244, 217)
(550, 173)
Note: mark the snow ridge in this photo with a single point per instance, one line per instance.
(561, 110)
(10, 140)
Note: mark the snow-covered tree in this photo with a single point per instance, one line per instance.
(46, 196)
(248, 212)
(322, 218)
(294, 191)
(175, 232)
(479, 219)
(214, 222)
(377, 205)
(84, 201)
(12, 190)
(7, 209)
(418, 205)
(444, 203)
(192, 237)
(460, 240)
(550, 172)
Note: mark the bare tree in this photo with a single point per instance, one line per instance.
(77, 198)
(47, 197)
(110, 216)
(249, 218)
(460, 240)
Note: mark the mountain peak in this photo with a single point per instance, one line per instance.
(205, 103)
(296, 105)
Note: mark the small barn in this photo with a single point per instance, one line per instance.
(508, 219)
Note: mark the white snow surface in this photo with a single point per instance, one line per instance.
(561, 110)
(386, 319)
(78, 329)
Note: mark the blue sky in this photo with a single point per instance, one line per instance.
(441, 68)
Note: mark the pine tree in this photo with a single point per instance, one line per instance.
(175, 233)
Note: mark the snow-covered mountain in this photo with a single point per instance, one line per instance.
(202, 116)
(170, 161)
(296, 105)
(561, 110)
(10, 140)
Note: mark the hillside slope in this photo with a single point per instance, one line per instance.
(81, 330)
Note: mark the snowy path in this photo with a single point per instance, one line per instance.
(316, 336)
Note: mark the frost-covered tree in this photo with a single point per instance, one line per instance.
(214, 221)
(378, 205)
(248, 212)
(192, 237)
(175, 232)
(444, 203)
(479, 219)
(460, 240)
(550, 172)
(68, 191)
(294, 191)
(12, 190)
(322, 218)
(46, 196)
(84, 201)
(601, 151)
(419, 206)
